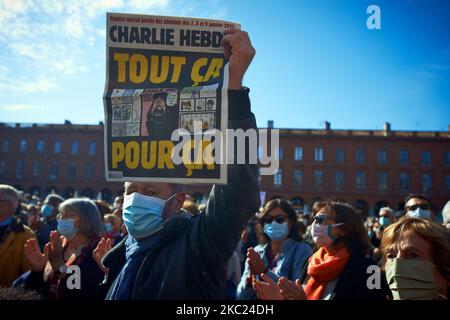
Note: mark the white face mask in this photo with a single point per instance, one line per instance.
(321, 233)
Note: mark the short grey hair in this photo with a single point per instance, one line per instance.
(391, 212)
(91, 224)
(53, 196)
(446, 213)
(10, 194)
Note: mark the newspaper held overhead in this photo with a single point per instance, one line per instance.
(165, 74)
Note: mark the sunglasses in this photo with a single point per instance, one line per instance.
(421, 206)
(278, 219)
(321, 218)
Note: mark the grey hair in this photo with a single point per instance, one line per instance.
(388, 210)
(11, 194)
(91, 224)
(53, 196)
(446, 213)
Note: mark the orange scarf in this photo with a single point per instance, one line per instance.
(324, 267)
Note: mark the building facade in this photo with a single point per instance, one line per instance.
(367, 168)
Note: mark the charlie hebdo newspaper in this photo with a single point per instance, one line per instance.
(163, 74)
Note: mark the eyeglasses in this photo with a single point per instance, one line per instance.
(321, 218)
(278, 219)
(421, 206)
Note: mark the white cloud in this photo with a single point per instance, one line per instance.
(91, 41)
(45, 41)
(29, 85)
(19, 107)
(73, 23)
(101, 32)
(145, 4)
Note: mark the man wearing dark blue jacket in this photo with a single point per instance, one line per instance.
(170, 254)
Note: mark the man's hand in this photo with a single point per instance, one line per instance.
(239, 52)
(255, 262)
(100, 251)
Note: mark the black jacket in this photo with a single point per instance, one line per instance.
(191, 259)
(352, 283)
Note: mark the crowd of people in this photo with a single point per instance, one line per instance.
(282, 254)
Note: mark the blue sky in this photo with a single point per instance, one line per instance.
(316, 60)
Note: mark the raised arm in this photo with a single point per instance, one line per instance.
(230, 206)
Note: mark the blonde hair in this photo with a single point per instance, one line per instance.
(433, 233)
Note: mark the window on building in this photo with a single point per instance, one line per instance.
(40, 146)
(6, 145)
(57, 148)
(72, 169)
(318, 180)
(447, 158)
(279, 153)
(75, 146)
(298, 178)
(23, 146)
(426, 182)
(360, 156)
(339, 180)
(360, 180)
(20, 168)
(404, 155)
(36, 168)
(298, 154)
(318, 154)
(277, 178)
(90, 169)
(340, 155)
(2, 167)
(382, 156)
(92, 148)
(404, 182)
(382, 181)
(54, 170)
(426, 158)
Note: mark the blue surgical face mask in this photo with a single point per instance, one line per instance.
(276, 231)
(142, 215)
(46, 210)
(108, 227)
(384, 221)
(66, 228)
(420, 214)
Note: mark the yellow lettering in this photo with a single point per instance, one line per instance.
(195, 73)
(121, 58)
(213, 69)
(177, 63)
(118, 153)
(208, 157)
(154, 77)
(164, 154)
(148, 156)
(132, 155)
(135, 60)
